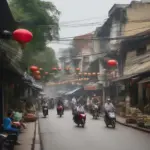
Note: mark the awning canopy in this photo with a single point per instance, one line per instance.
(36, 86)
(144, 80)
(73, 91)
(124, 77)
(130, 76)
(31, 82)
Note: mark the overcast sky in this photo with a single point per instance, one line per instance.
(72, 10)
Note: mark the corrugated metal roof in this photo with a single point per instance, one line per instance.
(145, 80)
(137, 68)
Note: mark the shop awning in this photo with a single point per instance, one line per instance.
(31, 82)
(73, 91)
(124, 77)
(144, 80)
(27, 79)
(36, 86)
(42, 93)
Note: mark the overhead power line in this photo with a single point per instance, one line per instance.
(113, 38)
(84, 24)
(82, 20)
(105, 38)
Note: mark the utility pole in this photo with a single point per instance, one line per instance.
(1, 88)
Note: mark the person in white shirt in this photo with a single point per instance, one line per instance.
(80, 109)
(74, 100)
(108, 107)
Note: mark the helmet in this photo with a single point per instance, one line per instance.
(108, 99)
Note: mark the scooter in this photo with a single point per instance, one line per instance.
(95, 112)
(60, 110)
(80, 119)
(45, 111)
(111, 119)
(7, 141)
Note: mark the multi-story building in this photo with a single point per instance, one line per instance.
(65, 59)
(82, 51)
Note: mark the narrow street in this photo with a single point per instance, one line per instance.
(62, 134)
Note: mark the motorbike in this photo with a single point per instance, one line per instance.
(95, 112)
(110, 119)
(80, 119)
(7, 141)
(45, 111)
(60, 110)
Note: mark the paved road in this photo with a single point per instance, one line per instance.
(62, 134)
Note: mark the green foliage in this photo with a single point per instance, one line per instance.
(42, 19)
(46, 60)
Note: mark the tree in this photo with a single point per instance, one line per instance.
(46, 60)
(42, 19)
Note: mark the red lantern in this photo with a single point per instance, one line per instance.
(46, 73)
(112, 63)
(33, 68)
(23, 36)
(54, 69)
(77, 69)
(89, 74)
(37, 72)
(85, 73)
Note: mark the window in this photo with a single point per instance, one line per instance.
(141, 50)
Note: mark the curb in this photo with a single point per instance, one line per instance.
(37, 143)
(134, 127)
(33, 140)
(39, 133)
(36, 139)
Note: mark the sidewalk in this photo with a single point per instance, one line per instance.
(29, 138)
(122, 121)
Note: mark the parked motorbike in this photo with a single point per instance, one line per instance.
(80, 119)
(60, 110)
(110, 119)
(95, 112)
(7, 141)
(45, 111)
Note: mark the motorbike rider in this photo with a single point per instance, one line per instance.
(44, 104)
(108, 107)
(73, 103)
(60, 103)
(95, 101)
(79, 109)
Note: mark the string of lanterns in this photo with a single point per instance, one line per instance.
(36, 72)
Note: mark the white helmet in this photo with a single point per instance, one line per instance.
(108, 99)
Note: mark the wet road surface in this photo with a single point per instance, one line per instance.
(62, 134)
